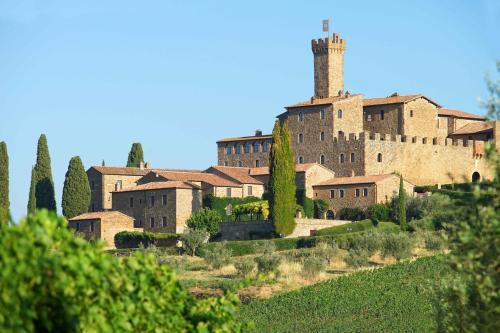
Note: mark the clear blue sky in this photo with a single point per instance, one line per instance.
(95, 76)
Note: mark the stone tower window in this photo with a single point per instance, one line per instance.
(322, 159)
(322, 136)
(240, 164)
(322, 114)
(246, 148)
(256, 147)
(382, 115)
(264, 147)
(226, 163)
(339, 114)
(365, 192)
(379, 157)
(353, 158)
(301, 116)
(152, 222)
(257, 163)
(164, 221)
(228, 149)
(237, 148)
(341, 193)
(411, 113)
(332, 194)
(300, 139)
(342, 158)
(301, 159)
(357, 192)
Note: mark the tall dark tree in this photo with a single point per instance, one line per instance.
(136, 156)
(402, 204)
(76, 191)
(4, 183)
(282, 201)
(32, 198)
(44, 185)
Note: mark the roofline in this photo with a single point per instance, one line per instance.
(404, 102)
(246, 138)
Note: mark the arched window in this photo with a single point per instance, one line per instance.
(237, 148)
(342, 159)
(322, 159)
(339, 114)
(322, 136)
(330, 215)
(246, 148)
(228, 150)
(301, 159)
(256, 147)
(301, 116)
(264, 146)
(341, 134)
(322, 114)
(476, 177)
(257, 163)
(379, 157)
(300, 139)
(353, 158)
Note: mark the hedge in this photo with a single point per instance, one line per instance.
(132, 239)
(220, 204)
(425, 188)
(353, 227)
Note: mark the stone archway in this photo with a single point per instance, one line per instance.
(476, 177)
(330, 215)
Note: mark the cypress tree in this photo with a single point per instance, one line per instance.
(4, 183)
(402, 204)
(76, 191)
(32, 198)
(44, 185)
(135, 156)
(282, 201)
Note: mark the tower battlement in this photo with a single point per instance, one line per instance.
(328, 66)
(322, 45)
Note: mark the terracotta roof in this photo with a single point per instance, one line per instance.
(320, 101)
(355, 180)
(208, 178)
(105, 170)
(99, 215)
(238, 174)
(247, 138)
(459, 114)
(159, 186)
(395, 100)
(474, 128)
(298, 168)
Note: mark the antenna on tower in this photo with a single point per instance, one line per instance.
(326, 28)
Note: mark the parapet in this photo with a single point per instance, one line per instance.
(323, 44)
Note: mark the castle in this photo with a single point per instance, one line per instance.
(349, 150)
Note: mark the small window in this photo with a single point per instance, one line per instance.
(365, 192)
(332, 194)
(301, 159)
(341, 193)
(322, 159)
(77, 226)
(341, 134)
(164, 200)
(91, 226)
(322, 136)
(246, 148)
(93, 185)
(437, 123)
(152, 201)
(322, 114)
(342, 158)
(256, 147)
(140, 223)
(131, 203)
(228, 149)
(164, 221)
(228, 192)
(300, 139)
(264, 146)
(250, 190)
(301, 116)
(411, 113)
(93, 207)
(226, 163)
(257, 163)
(382, 115)
(140, 201)
(118, 185)
(368, 117)
(339, 114)
(357, 193)
(240, 164)
(353, 158)
(152, 222)
(379, 157)
(237, 148)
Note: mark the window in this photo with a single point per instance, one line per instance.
(228, 192)
(437, 123)
(379, 157)
(301, 116)
(322, 114)
(382, 115)
(332, 194)
(322, 136)
(353, 158)
(341, 193)
(256, 147)
(93, 207)
(92, 185)
(322, 159)
(118, 185)
(368, 117)
(228, 149)
(240, 164)
(91, 226)
(77, 226)
(301, 159)
(300, 139)
(365, 192)
(411, 113)
(152, 222)
(246, 148)
(140, 223)
(237, 148)
(250, 190)
(164, 200)
(264, 147)
(164, 221)
(257, 163)
(342, 158)
(226, 163)
(357, 192)
(140, 201)
(339, 114)
(131, 203)
(341, 134)
(152, 200)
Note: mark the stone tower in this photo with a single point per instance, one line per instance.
(328, 66)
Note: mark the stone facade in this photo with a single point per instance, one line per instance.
(328, 66)
(250, 152)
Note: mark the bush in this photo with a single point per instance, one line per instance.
(52, 281)
(305, 202)
(356, 258)
(320, 208)
(205, 219)
(433, 241)
(313, 266)
(352, 214)
(326, 251)
(192, 239)
(220, 204)
(379, 212)
(255, 210)
(178, 264)
(369, 243)
(268, 263)
(245, 267)
(218, 256)
(399, 246)
(264, 247)
(421, 224)
(132, 239)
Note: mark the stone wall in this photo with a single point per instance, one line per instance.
(424, 120)
(187, 202)
(392, 122)
(307, 227)
(349, 200)
(109, 184)
(243, 159)
(328, 66)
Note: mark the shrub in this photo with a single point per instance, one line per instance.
(380, 212)
(264, 247)
(369, 243)
(220, 204)
(320, 208)
(132, 239)
(52, 281)
(356, 258)
(192, 240)
(218, 256)
(205, 219)
(421, 224)
(268, 263)
(326, 251)
(399, 246)
(256, 210)
(305, 202)
(178, 264)
(351, 214)
(433, 241)
(245, 267)
(313, 266)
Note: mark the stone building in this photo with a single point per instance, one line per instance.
(102, 225)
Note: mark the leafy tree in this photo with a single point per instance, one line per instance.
(53, 281)
(135, 156)
(4, 183)
(218, 255)
(351, 214)
(32, 198)
(380, 212)
(305, 202)
(44, 185)
(320, 208)
(193, 238)
(205, 219)
(76, 190)
(282, 181)
(402, 204)
(103, 163)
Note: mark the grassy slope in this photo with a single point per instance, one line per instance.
(390, 299)
(363, 225)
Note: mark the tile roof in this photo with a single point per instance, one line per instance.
(458, 114)
(247, 138)
(99, 215)
(131, 171)
(159, 186)
(208, 178)
(474, 128)
(303, 167)
(394, 100)
(355, 180)
(320, 101)
(239, 174)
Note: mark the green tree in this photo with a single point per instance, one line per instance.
(4, 183)
(135, 156)
(282, 202)
(44, 185)
(402, 204)
(205, 219)
(76, 190)
(32, 197)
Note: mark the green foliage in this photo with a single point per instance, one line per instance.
(220, 204)
(369, 243)
(132, 239)
(32, 198)
(425, 188)
(76, 190)
(192, 239)
(245, 267)
(352, 214)
(313, 266)
(356, 258)
(327, 251)
(402, 205)
(379, 212)
(264, 247)
(135, 156)
(218, 256)
(268, 264)
(305, 202)
(205, 219)
(395, 298)
(282, 202)
(44, 185)
(257, 210)
(433, 241)
(399, 246)
(52, 281)
(320, 208)
(4, 183)
(356, 227)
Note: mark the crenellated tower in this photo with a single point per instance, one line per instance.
(328, 66)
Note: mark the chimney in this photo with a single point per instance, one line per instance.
(147, 166)
(396, 94)
(141, 165)
(258, 132)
